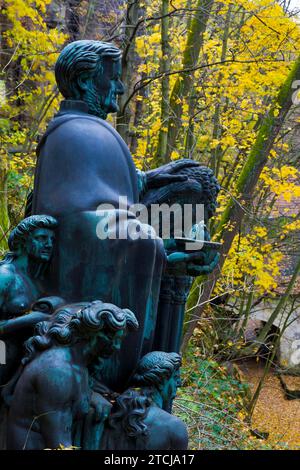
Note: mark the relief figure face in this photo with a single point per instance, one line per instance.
(39, 244)
(174, 383)
(170, 386)
(113, 343)
(104, 344)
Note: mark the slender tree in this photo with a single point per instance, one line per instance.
(165, 80)
(184, 81)
(128, 58)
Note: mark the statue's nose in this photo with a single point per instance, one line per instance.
(49, 243)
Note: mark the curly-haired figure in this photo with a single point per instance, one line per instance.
(137, 420)
(21, 276)
(53, 391)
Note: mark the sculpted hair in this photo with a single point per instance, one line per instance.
(129, 413)
(155, 367)
(81, 57)
(201, 187)
(72, 324)
(131, 407)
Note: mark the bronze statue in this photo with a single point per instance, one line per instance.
(138, 419)
(83, 163)
(53, 392)
(106, 275)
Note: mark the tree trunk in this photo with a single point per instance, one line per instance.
(73, 19)
(183, 84)
(123, 116)
(217, 131)
(165, 82)
(4, 219)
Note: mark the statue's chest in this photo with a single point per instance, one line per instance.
(19, 297)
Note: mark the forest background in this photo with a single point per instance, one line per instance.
(215, 81)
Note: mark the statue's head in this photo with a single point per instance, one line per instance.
(104, 325)
(200, 187)
(100, 326)
(90, 71)
(198, 191)
(34, 237)
(160, 370)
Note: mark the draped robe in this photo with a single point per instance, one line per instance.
(82, 163)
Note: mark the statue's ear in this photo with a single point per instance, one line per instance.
(19, 249)
(84, 81)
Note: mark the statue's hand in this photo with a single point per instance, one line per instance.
(194, 264)
(101, 407)
(166, 174)
(204, 265)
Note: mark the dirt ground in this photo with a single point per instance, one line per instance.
(273, 412)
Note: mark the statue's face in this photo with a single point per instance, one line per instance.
(117, 340)
(170, 387)
(105, 344)
(108, 85)
(174, 383)
(39, 244)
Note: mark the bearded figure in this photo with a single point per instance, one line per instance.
(84, 170)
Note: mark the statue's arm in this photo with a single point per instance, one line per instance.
(25, 321)
(54, 392)
(101, 407)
